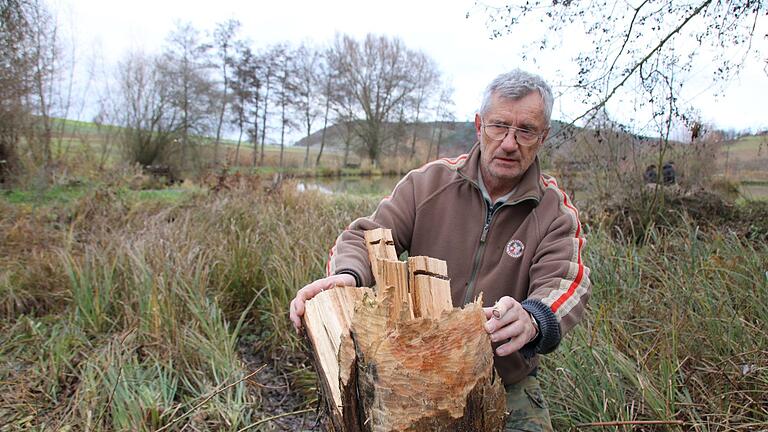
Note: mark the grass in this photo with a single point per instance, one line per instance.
(675, 333)
(124, 310)
(140, 311)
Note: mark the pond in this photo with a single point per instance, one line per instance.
(372, 185)
(380, 186)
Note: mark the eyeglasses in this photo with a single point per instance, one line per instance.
(524, 137)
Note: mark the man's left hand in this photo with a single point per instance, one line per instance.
(507, 320)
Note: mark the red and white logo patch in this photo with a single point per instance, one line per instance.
(515, 248)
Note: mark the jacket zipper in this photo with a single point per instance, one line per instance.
(489, 212)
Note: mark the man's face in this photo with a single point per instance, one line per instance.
(503, 162)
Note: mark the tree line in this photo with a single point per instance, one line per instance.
(176, 106)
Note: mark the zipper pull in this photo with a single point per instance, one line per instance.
(489, 210)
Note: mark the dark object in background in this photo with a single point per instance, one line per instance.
(668, 173)
(162, 172)
(651, 174)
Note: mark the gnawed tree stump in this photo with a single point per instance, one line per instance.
(400, 357)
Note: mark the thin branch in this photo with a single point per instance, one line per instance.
(637, 65)
(631, 423)
(211, 396)
(275, 417)
(626, 39)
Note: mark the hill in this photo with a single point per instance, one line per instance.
(456, 137)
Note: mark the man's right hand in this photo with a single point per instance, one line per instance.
(311, 290)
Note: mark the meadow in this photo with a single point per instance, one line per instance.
(123, 309)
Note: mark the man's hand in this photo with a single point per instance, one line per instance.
(311, 290)
(507, 320)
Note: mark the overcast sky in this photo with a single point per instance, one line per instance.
(466, 55)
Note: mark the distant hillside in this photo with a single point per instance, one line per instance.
(457, 137)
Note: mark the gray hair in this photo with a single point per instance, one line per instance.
(518, 84)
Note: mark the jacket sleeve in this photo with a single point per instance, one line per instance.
(560, 285)
(396, 212)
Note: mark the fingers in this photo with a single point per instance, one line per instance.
(504, 312)
(297, 307)
(297, 310)
(297, 304)
(507, 321)
(502, 306)
(512, 346)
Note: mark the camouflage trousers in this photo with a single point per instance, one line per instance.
(527, 408)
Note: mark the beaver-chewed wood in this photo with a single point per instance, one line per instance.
(400, 357)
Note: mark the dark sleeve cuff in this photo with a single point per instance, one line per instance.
(549, 329)
(351, 273)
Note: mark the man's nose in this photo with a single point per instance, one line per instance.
(509, 143)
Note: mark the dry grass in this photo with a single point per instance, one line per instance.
(123, 312)
(141, 311)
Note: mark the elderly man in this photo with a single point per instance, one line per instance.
(503, 228)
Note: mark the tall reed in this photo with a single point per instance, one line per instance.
(122, 313)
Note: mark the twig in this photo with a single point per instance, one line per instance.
(594, 109)
(630, 423)
(275, 417)
(193, 409)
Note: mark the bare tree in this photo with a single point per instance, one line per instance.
(306, 103)
(30, 84)
(246, 88)
(638, 44)
(427, 81)
(444, 114)
(268, 76)
(378, 73)
(286, 90)
(17, 60)
(186, 65)
(224, 40)
(151, 122)
(328, 89)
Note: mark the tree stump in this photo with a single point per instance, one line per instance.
(399, 357)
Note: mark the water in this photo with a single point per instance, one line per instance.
(379, 186)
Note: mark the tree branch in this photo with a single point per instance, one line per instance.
(593, 110)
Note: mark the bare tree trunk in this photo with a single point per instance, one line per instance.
(283, 103)
(221, 117)
(325, 121)
(237, 149)
(347, 143)
(306, 152)
(264, 121)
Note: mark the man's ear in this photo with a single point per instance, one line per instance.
(478, 126)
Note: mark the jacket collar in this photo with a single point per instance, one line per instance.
(530, 186)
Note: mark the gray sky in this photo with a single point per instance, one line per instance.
(466, 55)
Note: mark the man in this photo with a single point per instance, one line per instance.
(503, 228)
